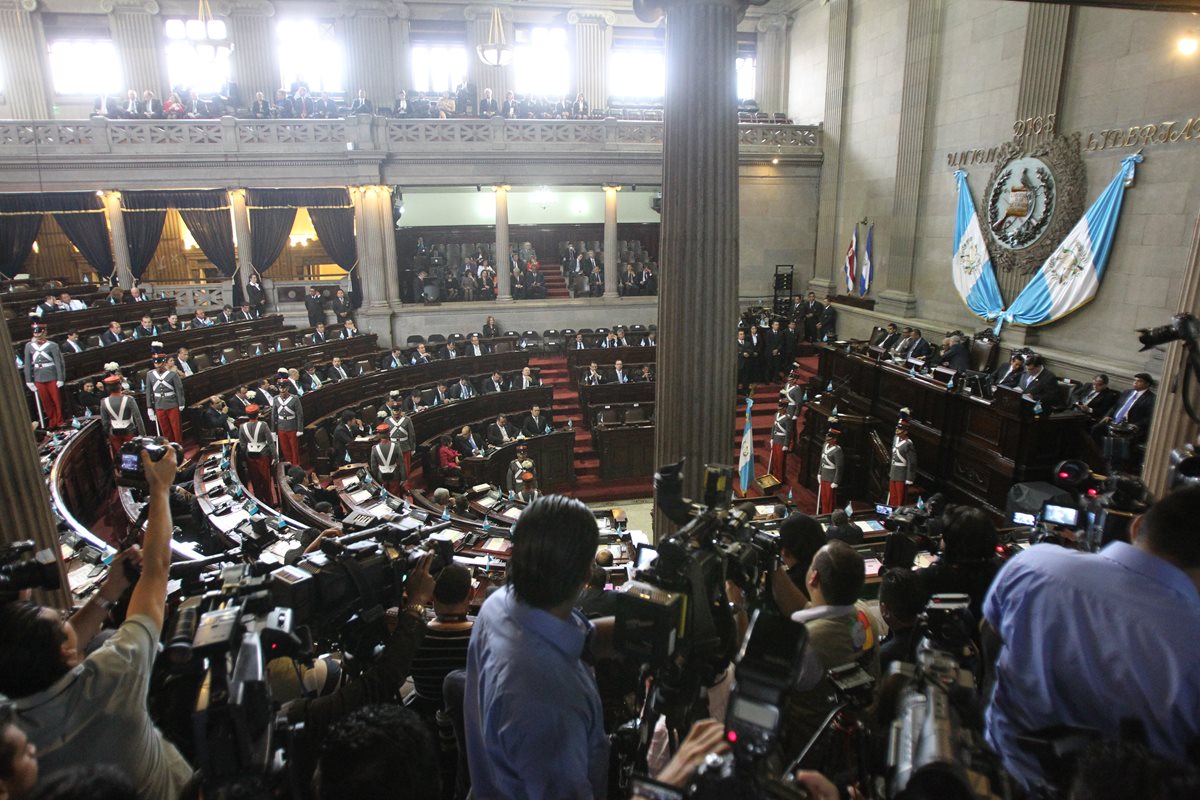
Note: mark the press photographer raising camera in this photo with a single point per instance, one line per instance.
(1088, 640)
(93, 710)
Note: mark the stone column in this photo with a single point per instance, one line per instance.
(1172, 427)
(116, 228)
(503, 265)
(370, 247)
(610, 241)
(400, 26)
(369, 45)
(25, 514)
(252, 31)
(138, 38)
(241, 234)
(25, 84)
(387, 247)
(770, 84)
(698, 253)
(897, 251)
(593, 41)
(479, 25)
(825, 263)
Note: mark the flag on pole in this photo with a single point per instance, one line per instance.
(971, 266)
(851, 264)
(746, 459)
(1070, 277)
(866, 272)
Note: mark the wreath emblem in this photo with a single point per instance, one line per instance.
(1068, 263)
(968, 258)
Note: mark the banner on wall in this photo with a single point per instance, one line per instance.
(1070, 277)
(971, 265)
(849, 266)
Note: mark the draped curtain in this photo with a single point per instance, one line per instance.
(144, 214)
(271, 218)
(81, 217)
(333, 219)
(206, 215)
(19, 226)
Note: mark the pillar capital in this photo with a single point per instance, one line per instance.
(18, 5)
(591, 16)
(391, 9)
(129, 6)
(472, 13)
(772, 22)
(654, 10)
(245, 8)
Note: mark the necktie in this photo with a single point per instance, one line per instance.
(1120, 417)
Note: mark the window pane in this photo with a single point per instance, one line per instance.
(637, 73)
(174, 29)
(745, 79)
(542, 62)
(197, 66)
(85, 67)
(438, 67)
(310, 53)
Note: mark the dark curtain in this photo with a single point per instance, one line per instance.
(335, 230)
(81, 217)
(144, 214)
(271, 216)
(20, 221)
(206, 215)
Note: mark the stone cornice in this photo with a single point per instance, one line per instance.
(577, 16)
(18, 5)
(472, 13)
(244, 8)
(654, 10)
(129, 6)
(392, 9)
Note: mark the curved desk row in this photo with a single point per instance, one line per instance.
(91, 321)
(578, 360)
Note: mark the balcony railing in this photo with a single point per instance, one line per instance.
(397, 137)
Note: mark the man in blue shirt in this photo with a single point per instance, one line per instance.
(534, 723)
(1088, 640)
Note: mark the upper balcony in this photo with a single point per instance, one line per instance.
(69, 153)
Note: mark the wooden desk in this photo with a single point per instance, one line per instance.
(60, 322)
(609, 393)
(81, 474)
(626, 451)
(970, 447)
(580, 359)
(553, 454)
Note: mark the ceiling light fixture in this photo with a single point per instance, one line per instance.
(496, 51)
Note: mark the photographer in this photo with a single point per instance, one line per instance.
(800, 537)
(378, 752)
(93, 710)
(1091, 640)
(968, 564)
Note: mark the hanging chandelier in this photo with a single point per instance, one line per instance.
(208, 36)
(496, 52)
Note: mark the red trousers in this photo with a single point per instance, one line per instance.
(778, 460)
(115, 441)
(262, 483)
(47, 393)
(825, 498)
(407, 454)
(169, 424)
(289, 447)
(897, 493)
(394, 486)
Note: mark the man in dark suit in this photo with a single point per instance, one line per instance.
(1039, 384)
(1010, 374)
(361, 104)
(954, 355)
(338, 371)
(325, 108)
(488, 107)
(891, 338)
(261, 107)
(151, 107)
(113, 335)
(72, 344)
(283, 105)
(810, 316)
(501, 431)
(318, 335)
(619, 373)
(747, 356)
(1095, 399)
(195, 108)
(827, 324)
(1135, 406)
(537, 422)
(303, 105)
(467, 443)
(496, 383)
(314, 306)
(592, 376)
(463, 390)
(920, 345)
(106, 106)
(774, 350)
(509, 108)
(476, 347)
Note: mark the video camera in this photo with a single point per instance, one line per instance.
(17, 573)
(1103, 511)
(130, 471)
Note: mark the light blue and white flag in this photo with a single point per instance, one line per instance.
(866, 272)
(971, 265)
(746, 459)
(1070, 277)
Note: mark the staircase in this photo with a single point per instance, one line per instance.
(556, 284)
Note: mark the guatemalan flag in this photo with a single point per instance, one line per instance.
(867, 272)
(851, 266)
(1071, 275)
(974, 277)
(746, 459)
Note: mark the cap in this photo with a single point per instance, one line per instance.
(832, 433)
(383, 428)
(281, 371)
(160, 359)
(253, 409)
(39, 327)
(394, 393)
(113, 382)
(111, 366)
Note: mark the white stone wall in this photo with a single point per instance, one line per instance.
(808, 48)
(778, 217)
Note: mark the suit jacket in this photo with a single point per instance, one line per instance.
(72, 347)
(467, 446)
(361, 106)
(488, 108)
(1044, 388)
(956, 357)
(490, 386)
(494, 436)
(589, 379)
(1140, 413)
(318, 338)
(919, 349)
(152, 108)
(108, 337)
(1098, 405)
(326, 108)
(510, 110)
(1002, 376)
(828, 322)
(458, 392)
(261, 109)
(889, 341)
(303, 106)
(531, 427)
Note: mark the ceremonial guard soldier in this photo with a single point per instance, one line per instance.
(903, 470)
(386, 464)
(403, 434)
(781, 442)
(120, 416)
(258, 447)
(45, 375)
(164, 397)
(288, 415)
(830, 473)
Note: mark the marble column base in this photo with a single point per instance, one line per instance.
(896, 304)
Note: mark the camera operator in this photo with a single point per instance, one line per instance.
(379, 752)
(968, 563)
(902, 597)
(1089, 640)
(800, 537)
(93, 710)
(838, 633)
